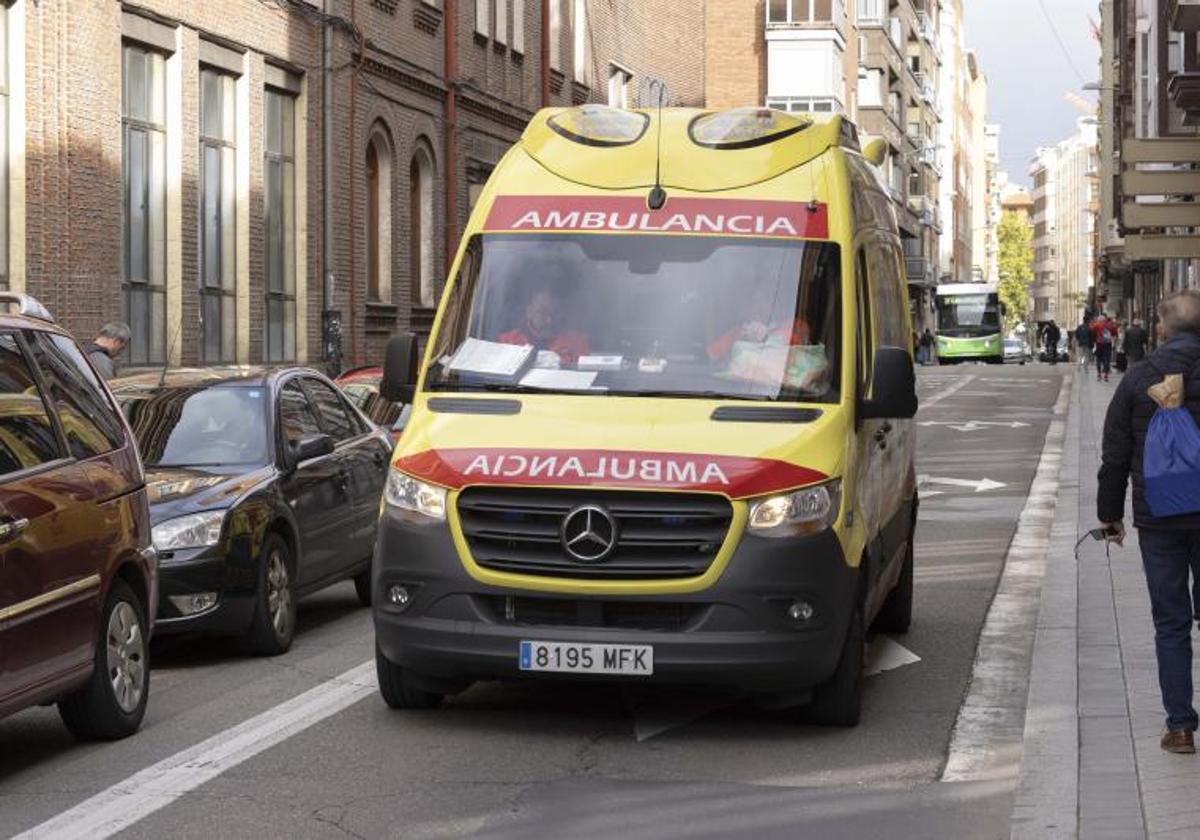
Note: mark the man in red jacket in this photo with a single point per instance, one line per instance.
(1104, 338)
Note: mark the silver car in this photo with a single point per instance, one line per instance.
(1014, 351)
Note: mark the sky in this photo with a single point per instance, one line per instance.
(1029, 73)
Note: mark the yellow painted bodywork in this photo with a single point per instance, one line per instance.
(807, 166)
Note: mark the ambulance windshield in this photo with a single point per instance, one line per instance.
(644, 315)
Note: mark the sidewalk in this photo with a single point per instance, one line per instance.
(1092, 766)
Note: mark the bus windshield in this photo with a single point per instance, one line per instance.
(968, 314)
(643, 315)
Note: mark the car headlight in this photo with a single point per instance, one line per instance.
(802, 513)
(414, 499)
(196, 530)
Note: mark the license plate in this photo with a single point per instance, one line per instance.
(574, 658)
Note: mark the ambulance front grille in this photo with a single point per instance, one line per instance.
(659, 535)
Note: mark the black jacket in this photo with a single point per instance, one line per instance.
(1135, 343)
(1125, 427)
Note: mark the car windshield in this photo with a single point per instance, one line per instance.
(644, 315)
(214, 426)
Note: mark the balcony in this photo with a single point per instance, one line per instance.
(925, 27)
(1169, 195)
(1185, 15)
(925, 84)
(796, 16)
(919, 204)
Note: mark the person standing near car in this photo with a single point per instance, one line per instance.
(107, 346)
(1170, 546)
(925, 347)
(1104, 337)
(1083, 340)
(1052, 336)
(1136, 342)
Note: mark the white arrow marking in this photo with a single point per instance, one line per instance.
(886, 654)
(974, 425)
(979, 486)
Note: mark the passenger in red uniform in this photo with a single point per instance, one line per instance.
(543, 317)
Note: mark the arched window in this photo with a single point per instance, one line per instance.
(420, 207)
(379, 219)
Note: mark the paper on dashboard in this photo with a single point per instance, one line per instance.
(559, 380)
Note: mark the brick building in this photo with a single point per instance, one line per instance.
(226, 174)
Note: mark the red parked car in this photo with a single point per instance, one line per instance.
(361, 387)
(78, 573)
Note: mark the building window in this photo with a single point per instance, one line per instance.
(581, 31)
(800, 11)
(279, 200)
(379, 219)
(556, 34)
(483, 25)
(420, 214)
(218, 215)
(144, 153)
(501, 34)
(806, 104)
(618, 87)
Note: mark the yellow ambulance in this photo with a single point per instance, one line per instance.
(662, 428)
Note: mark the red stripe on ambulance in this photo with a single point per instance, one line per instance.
(626, 214)
(733, 476)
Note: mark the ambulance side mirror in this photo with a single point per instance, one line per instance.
(875, 151)
(893, 388)
(399, 383)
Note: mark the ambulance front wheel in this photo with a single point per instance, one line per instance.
(397, 689)
(838, 700)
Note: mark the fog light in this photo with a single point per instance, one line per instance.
(800, 611)
(196, 602)
(398, 596)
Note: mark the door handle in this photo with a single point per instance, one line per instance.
(12, 527)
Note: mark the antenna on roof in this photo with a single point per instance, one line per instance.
(658, 196)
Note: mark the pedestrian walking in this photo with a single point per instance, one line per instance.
(1170, 544)
(1083, 340)
(1051, 336)
(925, 347)
(1135, 343)
(107, 346)
(1104, 337)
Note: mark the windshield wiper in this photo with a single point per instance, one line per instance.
(691, 395)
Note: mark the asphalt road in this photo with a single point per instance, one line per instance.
(558, 761)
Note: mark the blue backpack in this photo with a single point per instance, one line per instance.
(1171, 461)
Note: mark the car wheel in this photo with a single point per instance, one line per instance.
(113, 701)
(895, 616)
(362, 586)
(397, 691)
(274, 624)
(838, 701)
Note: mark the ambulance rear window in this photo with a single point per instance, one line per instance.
(599, 125)
(744, 128)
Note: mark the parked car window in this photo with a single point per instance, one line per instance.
(296, 417)
(27, 437)
(198, 427)
(337, 421)
(91, 426)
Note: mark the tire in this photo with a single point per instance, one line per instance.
(274, 624)
(397, 691)
(362, 586)
(895, 616)
(113, 701)
(838, 701)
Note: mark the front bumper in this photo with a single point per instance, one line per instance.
(456, 630)
(205, 570)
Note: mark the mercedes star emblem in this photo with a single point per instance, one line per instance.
(589, 534)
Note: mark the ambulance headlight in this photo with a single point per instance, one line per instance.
(802, 513)
(414, 500)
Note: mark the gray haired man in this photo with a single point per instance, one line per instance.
(109, 344)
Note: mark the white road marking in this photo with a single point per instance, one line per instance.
(980, 486)
(986, 743)
(886, 654)
(975, 425)
(157, 786)
(949, 392)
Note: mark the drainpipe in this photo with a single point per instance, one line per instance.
(352, 164)
(451, 151)
(330, 340)
(546, 52)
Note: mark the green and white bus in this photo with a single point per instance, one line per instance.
(968, 323)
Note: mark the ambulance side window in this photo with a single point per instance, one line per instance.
(866, 344)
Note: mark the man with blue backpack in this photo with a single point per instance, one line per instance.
(1152, 435)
